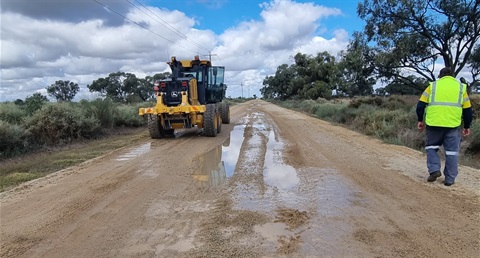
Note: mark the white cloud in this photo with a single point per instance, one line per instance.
(36, 51)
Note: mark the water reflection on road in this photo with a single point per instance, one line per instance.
(135, 152)
(219, 163)
(231, 149)
(276, 173)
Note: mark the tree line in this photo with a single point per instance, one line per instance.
(118, 86)
(400, 47)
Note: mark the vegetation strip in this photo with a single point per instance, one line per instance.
(32, 166)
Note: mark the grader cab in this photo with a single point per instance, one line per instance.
(191, 97)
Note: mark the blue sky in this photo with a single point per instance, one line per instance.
(83, 40)
(223, 14)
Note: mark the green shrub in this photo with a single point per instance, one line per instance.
(394, 103)
(331, 112)
(347, 115)
(309, 106)
(474, 139)
(475, 101)
(372, 101)
(34, 103)
(11, 113)
(383, 123)
(408, 100)
(90, 127)
(127, 115)
(321, 101)
(61, 123)
(13, 139)
(290, 104)
(104, 110)
(411, 138)
(373, 122)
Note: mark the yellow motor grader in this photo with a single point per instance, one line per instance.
(191, 97)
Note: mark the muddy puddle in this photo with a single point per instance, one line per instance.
(231, 149)
(271, 183)
(276, 173)
(300, 201)
(219, 164)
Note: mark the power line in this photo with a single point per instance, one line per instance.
(173, 29)
(110, 9)
(221, 62)
(169, 27)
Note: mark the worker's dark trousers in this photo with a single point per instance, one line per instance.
(450, 139)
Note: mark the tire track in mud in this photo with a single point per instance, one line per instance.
(249, 169)
(267, 224)
(228, 231)
(261, 162)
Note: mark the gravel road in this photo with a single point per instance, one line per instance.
(273, 183)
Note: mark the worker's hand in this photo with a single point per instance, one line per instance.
(420, 125)
(466, 131)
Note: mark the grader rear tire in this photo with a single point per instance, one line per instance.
(225, 112)
(154, 127)
(210, 121)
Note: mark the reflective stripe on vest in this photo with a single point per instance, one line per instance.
(448, 111)
(432, 102)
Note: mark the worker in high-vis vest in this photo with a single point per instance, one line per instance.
(443, 104)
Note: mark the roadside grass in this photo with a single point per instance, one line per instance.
(234, 101)
(27, 167)
(391, 119)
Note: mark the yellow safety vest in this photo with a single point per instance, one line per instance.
(445, 104)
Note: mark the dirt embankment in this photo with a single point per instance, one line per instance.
(274, 183)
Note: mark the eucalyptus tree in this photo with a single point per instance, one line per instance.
(412, 36)
(357, 68)
(34, 102)
(278, 86)
(144, 88)
(474, 63)
(325, 75)
(403, 86)
(118, 86)
(309, 77)
(63, 90)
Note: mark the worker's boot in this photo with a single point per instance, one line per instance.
(433, 176)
